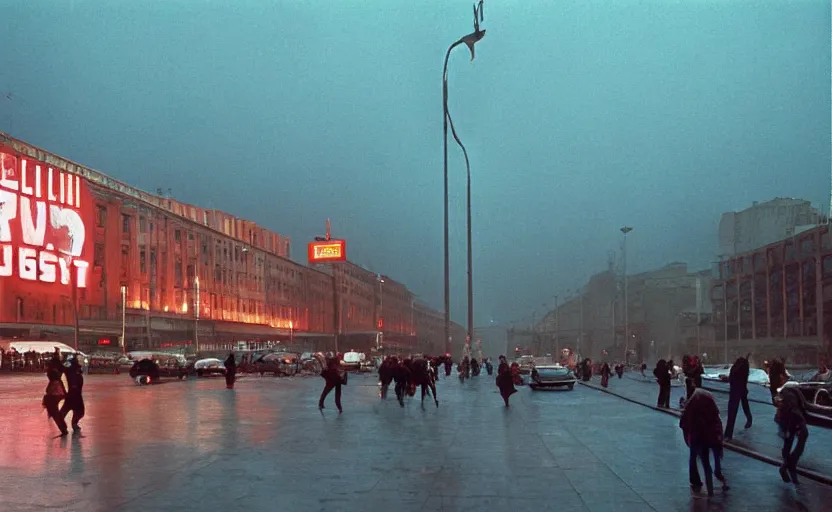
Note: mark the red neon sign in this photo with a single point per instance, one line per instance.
(105, 341)
(43, 222)
(328, 251)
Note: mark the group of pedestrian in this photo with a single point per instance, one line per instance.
(409, 375)
(71, 395)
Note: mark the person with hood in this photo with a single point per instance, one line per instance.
(505, 380)
(55, 392)
(74, 400)
(791, 418)
(738, 394)
(605, 374)
(230, 371)
(662, 374)
(702, 428)
(333, 380)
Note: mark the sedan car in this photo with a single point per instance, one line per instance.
(554, 376)
(279, 364)
(209, 366)
(526, 364)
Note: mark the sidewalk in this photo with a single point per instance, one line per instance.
(760, 441)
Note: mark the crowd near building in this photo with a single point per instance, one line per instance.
(766, 296)
(89, 259)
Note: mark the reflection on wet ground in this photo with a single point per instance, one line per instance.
(194, 445)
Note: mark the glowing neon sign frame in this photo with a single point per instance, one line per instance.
(327, 251)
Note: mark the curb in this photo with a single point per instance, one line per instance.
(730, 445)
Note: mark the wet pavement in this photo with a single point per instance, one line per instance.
(762, 437)
(194, 445)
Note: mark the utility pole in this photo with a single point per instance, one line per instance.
(626, 230)
(581, 334)
(698, 317)
(557, 328)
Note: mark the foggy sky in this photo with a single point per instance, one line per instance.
(579, 116)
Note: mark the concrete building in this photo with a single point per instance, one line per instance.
(83, 254)
(765, 223)
(665, 309)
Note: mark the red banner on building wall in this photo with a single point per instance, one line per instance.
(46, 222)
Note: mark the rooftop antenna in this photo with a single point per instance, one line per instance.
(328, 230)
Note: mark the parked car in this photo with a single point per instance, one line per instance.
(552, 376)
(352, 361)
(209, 366)
(279, 364)
(103, 363)
(145, 368)
(526, 364)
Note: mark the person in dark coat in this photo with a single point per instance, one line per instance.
(776, 377)
(489, 368)
(401, 375)
(505, 380)
(385, 376)
(738, 380)
(422, 378)
(475, 367)
(702, 428)
(605, 375)
(662, 374)
(791, 417)
(55, 392)
(586, 370)
(230, 371)
(333, 380)
(74, 400)
(449, 364)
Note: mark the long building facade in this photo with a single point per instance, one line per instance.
(776, 301)
(87, 259)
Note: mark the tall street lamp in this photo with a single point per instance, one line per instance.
(468, 40)
(196, 315)
(626, 230)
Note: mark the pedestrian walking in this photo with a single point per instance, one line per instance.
(702, 428)
(505, 380)
(777, 377)
(74, 400)
(333, 380)
(401, 375)
(791, 418)
(662, 374)
(230, 371)
(605, 375)
(738, 395)
(55, 392)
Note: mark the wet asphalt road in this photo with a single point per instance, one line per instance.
(194, 445)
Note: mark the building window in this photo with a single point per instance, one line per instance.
(101, 216)
(142, 225)
(125, 224)
(98, 257)
(177, 235)
(143, 261)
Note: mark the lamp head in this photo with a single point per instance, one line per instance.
(471, 39)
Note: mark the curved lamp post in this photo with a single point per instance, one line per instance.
(468, 40)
